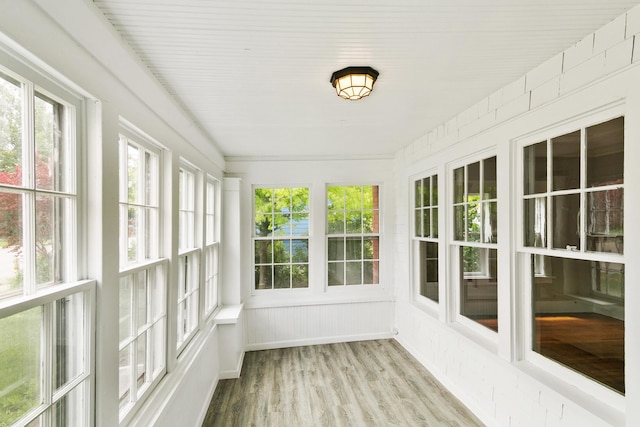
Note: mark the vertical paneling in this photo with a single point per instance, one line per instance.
(275, 327)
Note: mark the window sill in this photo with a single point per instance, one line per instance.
(275, 301)
(228, 315)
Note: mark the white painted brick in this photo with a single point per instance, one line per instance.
(553, 403)
(513, 90)
(544, 72)
(483, 107)
(618, 56)
(609, 35)
(451, 125)
(633, 21)
(517, 106)
(583, 74)
(578, 53)
(495, 100)
(636, 48)
(468, 115)
(574, 415)
(545, 93)
(477, 126)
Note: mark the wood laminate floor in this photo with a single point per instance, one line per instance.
(367, 383)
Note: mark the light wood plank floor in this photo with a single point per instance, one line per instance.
(367, 383)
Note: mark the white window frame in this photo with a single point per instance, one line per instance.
(255, 238)
(46, 296)
(361, 286)
(524, 253)
(189, 254)
(149, 272)
(416, 241)
(454, 245)
(212, 247)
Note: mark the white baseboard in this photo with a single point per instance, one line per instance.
(317, 341)
(233, 373)
(210, 392)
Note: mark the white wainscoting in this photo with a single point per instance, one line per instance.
(278, 327)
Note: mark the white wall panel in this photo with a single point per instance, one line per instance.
(277, 327)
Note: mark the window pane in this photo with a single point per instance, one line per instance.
(282, 276)
(370, 197)
(157, 355)
(11, 261)
(371, 272)
(49, 238)
(479, 285)
(335, 198)
(336, 222)
(354, 273)
(263, 200)
(434, 190)
(353, 248)
(132, 234)
(426, 192)
(264, 225)
(459, 222)
(490, 222)
(566, 221)
(282, 200)
(124, 391)
(605, 153)
(354, 222)
(282, 224)
(490, 183)
(535, 168)
(535, 222)
(418, 222)
(20, 376)
(336, 248)
(68, 339)
(133, 172)
(473, 222)
(263, 251)
(49, 161)
(426, 222)
(570, 325)
(473, 182)
(300, 200)
(125, 307)
(10, 131)
(336, 273)
(300, 276)
(434, 222)
(418, 193)
(300, 250)
(263, 277)
(141, 359)
(429, 270)
(141, 299)
(458, 185)
(566, 161)
(70, 409)
(300, 224)
(281, 251)
(371, 248)
(605, 225)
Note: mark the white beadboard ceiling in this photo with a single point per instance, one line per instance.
(254, 75)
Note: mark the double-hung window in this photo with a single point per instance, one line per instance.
(281, 238)
(572, 245)
(212, 245)
(475, 240)
(143, 271)
(188, 255)
(353, 235)
(45, 316)
(425, 236)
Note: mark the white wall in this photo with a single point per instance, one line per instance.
(318, 314)
(492, 375)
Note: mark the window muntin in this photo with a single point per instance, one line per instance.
(573, 188)
(143, 275)
(189, 257)
(212, 245)
(475, 214)
(353, 235)
(425, 236)
(37, 189)
(281, 238)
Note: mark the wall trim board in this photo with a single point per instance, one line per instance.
(318, 341)
(233, 373)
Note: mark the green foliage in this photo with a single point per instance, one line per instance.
(19, 364)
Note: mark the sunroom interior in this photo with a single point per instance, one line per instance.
(180, 185)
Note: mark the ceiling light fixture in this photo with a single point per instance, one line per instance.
(354, 83)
